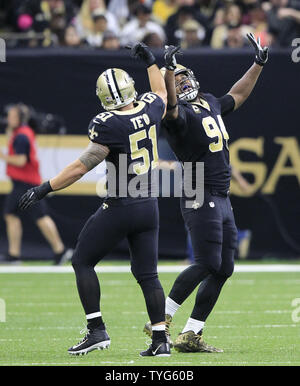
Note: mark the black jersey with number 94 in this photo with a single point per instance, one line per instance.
(199, 135)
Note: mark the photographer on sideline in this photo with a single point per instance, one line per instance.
(23, 170)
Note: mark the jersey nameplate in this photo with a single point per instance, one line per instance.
(140, 121)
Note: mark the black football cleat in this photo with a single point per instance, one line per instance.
(93, 340)
(160, 349)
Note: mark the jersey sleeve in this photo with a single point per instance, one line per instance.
(21, 145)
(155, 102)
(227, 104)
(104, 134)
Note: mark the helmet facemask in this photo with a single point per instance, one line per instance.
(187, 87)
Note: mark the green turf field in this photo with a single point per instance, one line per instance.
(254, 321)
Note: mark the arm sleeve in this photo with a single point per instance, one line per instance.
(21, 145)
(227, 104)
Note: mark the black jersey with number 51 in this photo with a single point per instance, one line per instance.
(131, 136)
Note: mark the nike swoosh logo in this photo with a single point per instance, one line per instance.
(155, 351)
(79, 344)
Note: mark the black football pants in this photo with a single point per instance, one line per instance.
(214, 240)
(138, 221)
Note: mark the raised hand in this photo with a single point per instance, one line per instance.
(142, 52)
(261, 53)
(170, 58)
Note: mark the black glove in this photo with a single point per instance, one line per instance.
(34, 194)
(143, 52)
(170, 59)
(261, 54)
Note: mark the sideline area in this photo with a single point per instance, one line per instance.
(161, 268)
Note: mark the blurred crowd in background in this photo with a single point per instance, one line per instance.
(113, 24)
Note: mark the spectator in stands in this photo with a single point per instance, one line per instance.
(84, 21)
(23, 170)
(123, 10)
(58, 22)
(235, 37)
(95, 36)
(153, 40)
(163, 9)
(258, 20)
(231, 28)
(136, 29)
(209, 8)
(193, 34)
(110, 41)
(42, 20)
(37, 15)
(219, 17)
(284, 21)
(70, 37)
(175, 22)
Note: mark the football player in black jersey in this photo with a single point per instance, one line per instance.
(196, 132)
(124, 133)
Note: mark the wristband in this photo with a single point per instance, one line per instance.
(44, 189)
(259, 62)
(169, 107)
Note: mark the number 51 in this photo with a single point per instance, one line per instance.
(136, 152)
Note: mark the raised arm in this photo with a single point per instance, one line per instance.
(170, 65)
(92, 156)
(243, 88)
(156, 80)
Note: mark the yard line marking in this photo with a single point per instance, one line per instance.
(254, 312)
(258, 326)
(224, 363)
(209, 327)
(161, 268)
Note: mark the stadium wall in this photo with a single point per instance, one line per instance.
(264, 140)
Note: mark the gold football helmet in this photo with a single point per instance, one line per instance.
(115, 89)
(188, 92)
